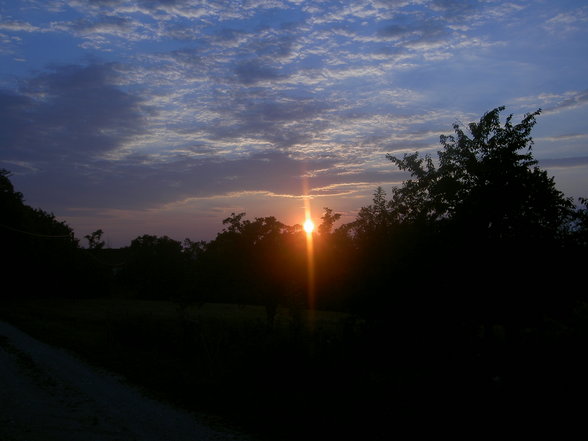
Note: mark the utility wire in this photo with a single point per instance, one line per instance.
(86, 251)
(35, 234)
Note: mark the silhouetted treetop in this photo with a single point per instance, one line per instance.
(328, 219)
(486, 178)
(44, 257)
(95, 241)
(7, 189)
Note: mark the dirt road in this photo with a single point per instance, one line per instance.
(46, 394)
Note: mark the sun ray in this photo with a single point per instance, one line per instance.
(309, 228)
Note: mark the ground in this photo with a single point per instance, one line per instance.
(47, 394)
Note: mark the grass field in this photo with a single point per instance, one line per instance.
(323, 376)
(220, 359)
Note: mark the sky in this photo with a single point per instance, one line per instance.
(164, 117)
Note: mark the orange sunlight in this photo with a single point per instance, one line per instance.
(309, 228)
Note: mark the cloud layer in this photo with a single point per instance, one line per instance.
(140, 105)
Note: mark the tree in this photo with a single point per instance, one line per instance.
(258, 261)
(43, 254)
(373, 220)
(486, 181)
(95, 241)
(333, 257)
(156, 267)
(492, 218)
(328, 220)
(11, 201)
(579, 227)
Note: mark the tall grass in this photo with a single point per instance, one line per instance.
(220, 359)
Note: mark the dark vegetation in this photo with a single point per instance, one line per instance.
(459, 296)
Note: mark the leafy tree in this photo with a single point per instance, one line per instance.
(472, 261)
(492, 218)
(258, 261)
(328, 220)
(194, 249)
(579, 227)
(11, 200)
(44, 256)
(487, 181)
(95, 241)
(334, 261)
(156, 267)
(375, 218)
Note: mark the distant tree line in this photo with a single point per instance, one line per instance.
(41, 256)
(480, 234)
(464, 281)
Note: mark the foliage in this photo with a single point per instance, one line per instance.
(373, 219)
(460, 282)
(481, 222)
(255, 262)
(579, 228)
(486, 181)
(328, 219)
(219, 360)
(43, 252)
(156, 267)
(482, 210)
(95, 241)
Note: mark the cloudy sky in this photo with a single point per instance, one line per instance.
(164, 116)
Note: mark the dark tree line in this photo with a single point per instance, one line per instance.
(467, 278)
(474, 266)
(480, 232)
(41, 256)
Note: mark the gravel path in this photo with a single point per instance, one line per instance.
(47, 394)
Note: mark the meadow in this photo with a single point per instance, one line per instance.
(460, 287)
(222, 361)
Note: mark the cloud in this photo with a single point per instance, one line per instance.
(277, 120)
(552, 163)
(132, 184)
(110, 25)
(18, 26)
(566, 137)
(567, 22)
(453, 9)
(217, 98)
(187, 9)
(70, 112)
(394, 31)
(573, 100)
(230, 36)
(70, 123)
(105, 31)
(551, 103)
(273, 46)
(254, 71)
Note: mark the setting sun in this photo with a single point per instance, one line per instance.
(308, 226)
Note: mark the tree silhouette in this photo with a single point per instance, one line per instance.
(258, 261)
(95, 241)
(328, 219)
(44, 258)
(487, 180)
(492, 218)
(156, 267)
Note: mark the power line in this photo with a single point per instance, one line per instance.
(35, 234)
(86, 251)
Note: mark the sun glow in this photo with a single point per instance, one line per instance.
(308, 226)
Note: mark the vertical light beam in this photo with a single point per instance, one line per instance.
(309, 264)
